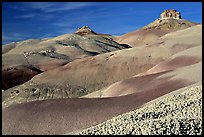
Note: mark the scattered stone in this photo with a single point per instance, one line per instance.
(157, 118)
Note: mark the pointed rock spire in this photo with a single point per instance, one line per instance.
(85, 30)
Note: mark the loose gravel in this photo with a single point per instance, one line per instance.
(177, 114)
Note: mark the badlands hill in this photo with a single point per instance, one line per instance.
(169, 21)
(69, 89)
(89, 74)
(46, 54)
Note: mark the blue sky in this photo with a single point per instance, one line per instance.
(25, 20)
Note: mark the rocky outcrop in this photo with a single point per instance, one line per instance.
(48, 53)
(170, 20)
(85, 30)
(170, 14)
(44, 52)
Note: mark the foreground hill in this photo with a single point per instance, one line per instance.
(178, 113)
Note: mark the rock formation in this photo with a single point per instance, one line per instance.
(169, 21)
(170, 14)
(85, 30)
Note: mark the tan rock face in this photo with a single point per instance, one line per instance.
(170, 14)
(84, 31)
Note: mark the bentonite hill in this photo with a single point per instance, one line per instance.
(148, 81)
